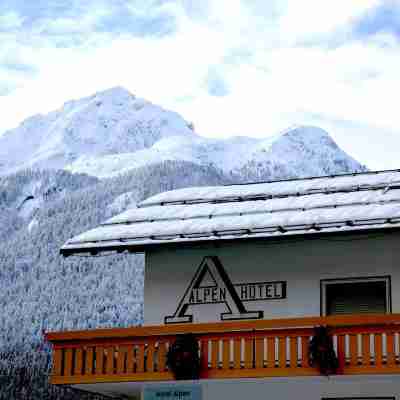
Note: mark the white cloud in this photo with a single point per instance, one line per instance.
(310, 17)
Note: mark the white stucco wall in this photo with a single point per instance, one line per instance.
(366, 387)
(302, 264)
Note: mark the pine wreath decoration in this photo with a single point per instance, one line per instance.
(183, 357)
(322, 353)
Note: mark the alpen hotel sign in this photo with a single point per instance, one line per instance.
(224, 291)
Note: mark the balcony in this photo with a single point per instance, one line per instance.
(367, 344)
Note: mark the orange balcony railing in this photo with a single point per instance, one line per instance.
(368, 344)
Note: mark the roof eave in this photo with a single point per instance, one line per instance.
(94, 249)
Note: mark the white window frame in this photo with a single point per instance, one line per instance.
(327, 282)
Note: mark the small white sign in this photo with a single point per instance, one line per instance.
(173, 392)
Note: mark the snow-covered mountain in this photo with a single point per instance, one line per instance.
(113, 132)
(110, 122)
(298, 152)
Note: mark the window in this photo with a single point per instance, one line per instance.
(355, 296)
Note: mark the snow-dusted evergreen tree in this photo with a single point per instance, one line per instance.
(40, 290)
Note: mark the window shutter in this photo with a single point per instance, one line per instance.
(356, 298)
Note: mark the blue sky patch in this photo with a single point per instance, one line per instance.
(19, 68)
(122, 20)
(136, 18)
(385, 18)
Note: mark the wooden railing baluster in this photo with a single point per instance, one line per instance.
(271, 352)
(150, 357)
(214, 354)
(140, 357)
(378, 349)
(57, 361)
(259, 352)
(68, 362)
(237, 353)
(204, 359)
(121, 359)
(130, 359)
(353, 350)
(390, 350)
(304, 351)
(366, 349)
(110, 360)
(248, 352)
(162, 354)
(341, 351)
(89, 361)
(226, 347)
(99, 360)
(282, 351)
(293, 352)
(78, 362)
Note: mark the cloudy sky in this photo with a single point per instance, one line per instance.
(249, 67)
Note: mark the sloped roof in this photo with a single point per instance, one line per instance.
(340, 203)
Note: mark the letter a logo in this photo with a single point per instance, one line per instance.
(222, 292)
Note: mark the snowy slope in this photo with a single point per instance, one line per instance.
(113, 132)
(299, 152)
(109, 122)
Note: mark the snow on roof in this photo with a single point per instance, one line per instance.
(272, 209)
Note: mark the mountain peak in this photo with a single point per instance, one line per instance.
(304, 151)
(112, 121)
(305, 131)
(115, 93)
